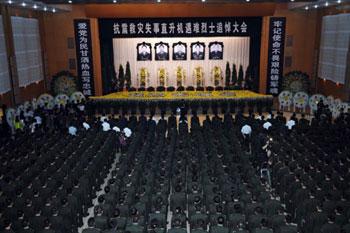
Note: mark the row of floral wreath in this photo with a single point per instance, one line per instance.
(162, 75)
(301, 100)
(46, 101)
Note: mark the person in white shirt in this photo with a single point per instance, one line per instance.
(38, 120)
(72, 130)
(32, 127)
(81, 107)
(267, 125)
(106, 126)
(290, 124)
(246, 133)
(246, 130)
(86, 125)
(103, 118)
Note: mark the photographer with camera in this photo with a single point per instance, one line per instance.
(264, 156)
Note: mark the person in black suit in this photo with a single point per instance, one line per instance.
(172, 121)
(195, 120)
(303, 124)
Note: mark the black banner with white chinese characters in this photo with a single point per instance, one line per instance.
(178, 27)
(84, 55)
(276, 54)
(144, 28)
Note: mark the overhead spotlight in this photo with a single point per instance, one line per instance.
(35, 6)
(326, 4)
(70, 1)
(53, 10)
(158, 0)
(114, 1)
(247, 0)
(203, 0)
(23, 4)
(292, 0)
(45, 8)
(9, 2)
(306, 8)
(315, 6)
(339, 1)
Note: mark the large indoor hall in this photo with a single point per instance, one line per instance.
(174, 116)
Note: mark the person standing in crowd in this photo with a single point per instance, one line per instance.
(246, 137)
(105, 125)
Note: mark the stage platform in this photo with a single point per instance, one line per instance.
(194, 99)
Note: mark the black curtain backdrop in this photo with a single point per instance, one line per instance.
(107, 64)
(107, 31)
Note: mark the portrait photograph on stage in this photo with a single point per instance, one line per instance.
(161, 51)
(179, 51)
(144, 51)
(216, 50)
(197, 51)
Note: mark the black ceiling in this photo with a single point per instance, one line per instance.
(164, 1)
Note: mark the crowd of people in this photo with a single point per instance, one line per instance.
(237, 173)
(39, 120)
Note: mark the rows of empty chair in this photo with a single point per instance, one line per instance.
(178, 180)
(50, 181)
(312, 183)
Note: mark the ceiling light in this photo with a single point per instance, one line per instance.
(114, 1)
(306, 8)
(316, 6)
(339, 1)
(326, 4)
(9, 2)
(158, 0)
(45, 8)
(292, 0)
(35, 6)
(53, 10)
(23, 4)
(247, 0)
(203, 0)
(70, 1)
